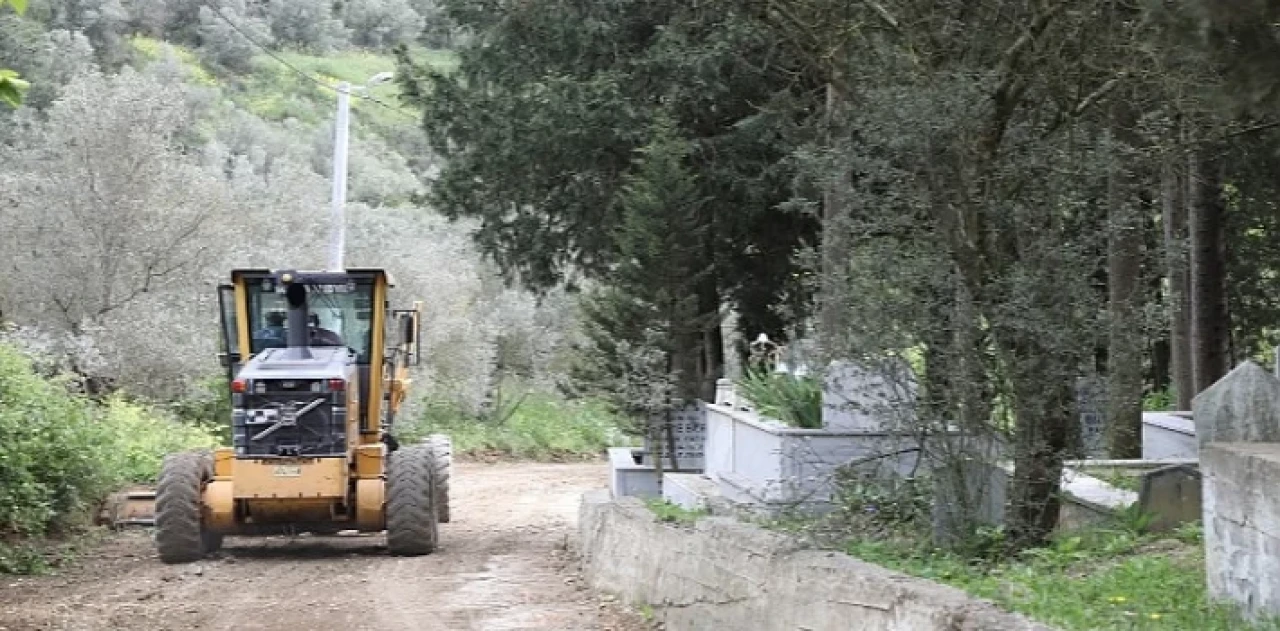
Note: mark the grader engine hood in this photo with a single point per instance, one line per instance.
(291, 406)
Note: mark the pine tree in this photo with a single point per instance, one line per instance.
(647, 333)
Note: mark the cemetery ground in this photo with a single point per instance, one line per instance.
(505, 562)
(1108, 577)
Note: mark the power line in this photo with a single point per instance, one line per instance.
(298, 71)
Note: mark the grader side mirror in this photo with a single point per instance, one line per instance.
(410, 325)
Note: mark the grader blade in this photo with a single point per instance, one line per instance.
(134, 507)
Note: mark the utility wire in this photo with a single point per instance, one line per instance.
(298, 71)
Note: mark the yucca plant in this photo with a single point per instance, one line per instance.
(794, 400)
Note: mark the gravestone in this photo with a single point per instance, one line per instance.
(1172, 495)
(868, 397)
(1091, 397)
(1242, 407)
(689, 425)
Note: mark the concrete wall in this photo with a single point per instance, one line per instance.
(721, 574)
(1242, 524)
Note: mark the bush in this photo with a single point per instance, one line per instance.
(796, 401)
(48, 443)
(142, 438)
(61, 452)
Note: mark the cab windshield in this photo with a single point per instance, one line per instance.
(340, 315)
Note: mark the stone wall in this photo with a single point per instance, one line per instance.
(1242, 524)
(721, 574)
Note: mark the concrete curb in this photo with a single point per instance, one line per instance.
(723, 574)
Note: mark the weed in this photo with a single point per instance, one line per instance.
(1094, 580)
(1191, 533)
(673, 513)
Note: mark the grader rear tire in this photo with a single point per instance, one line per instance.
(442, 449)
(180, 537)
(411, 511)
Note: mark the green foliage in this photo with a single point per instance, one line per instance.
(11, 85)
(542, 427)
(649, 324)
(794, 400)
(885, 501)
(207, 407)
(153, 49)
(143, 437)
(1091, 581)
(674, 513)
(1191, 533)
(1160, 401)
(60, 452)
(539, 124)
(50, 443)
(21, 558)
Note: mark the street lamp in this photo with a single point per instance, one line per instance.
(338, 234)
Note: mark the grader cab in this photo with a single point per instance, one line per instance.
(318, 368)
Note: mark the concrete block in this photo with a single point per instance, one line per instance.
(691, 491)
(628, 478)
(1243, 406)
(721, 574)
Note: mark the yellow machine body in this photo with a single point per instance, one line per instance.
(251, 494)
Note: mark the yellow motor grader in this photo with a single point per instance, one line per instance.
(318, 368)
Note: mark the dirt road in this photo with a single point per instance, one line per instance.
(505, 563)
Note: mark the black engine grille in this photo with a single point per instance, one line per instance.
(305, 424)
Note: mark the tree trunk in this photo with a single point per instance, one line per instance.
(1124, 306)
(711, 368)
(1174, 215)
(833, 306)
(971, 390)
(1207, 230)
(1045, 414)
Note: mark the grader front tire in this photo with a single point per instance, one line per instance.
(442, 450)
(180, 537)
(411, 510)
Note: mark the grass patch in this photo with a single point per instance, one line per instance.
(1095, 580)
(275, 92)
(30, 556)
(672, 513)
(542, 427)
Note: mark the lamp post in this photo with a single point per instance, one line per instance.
(342, 122)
